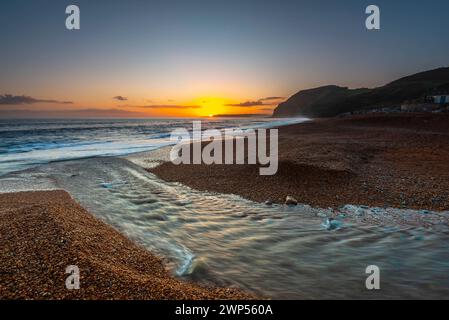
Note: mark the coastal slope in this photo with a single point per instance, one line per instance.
(328, 101)
(43, 232)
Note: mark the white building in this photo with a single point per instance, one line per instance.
(441, 99)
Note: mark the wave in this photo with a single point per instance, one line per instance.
(29, 143)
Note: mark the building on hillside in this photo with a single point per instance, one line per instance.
(441, 99)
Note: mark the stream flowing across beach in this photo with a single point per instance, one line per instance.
(273, 251)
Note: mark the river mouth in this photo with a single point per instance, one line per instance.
(277, 252)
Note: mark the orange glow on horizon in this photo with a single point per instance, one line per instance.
(206, 106)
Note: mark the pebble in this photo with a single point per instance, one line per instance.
(290, 201)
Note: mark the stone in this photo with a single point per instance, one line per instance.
(321, 215)
(331, 224)
(290, 201)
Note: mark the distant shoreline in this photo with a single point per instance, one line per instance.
(241, 116)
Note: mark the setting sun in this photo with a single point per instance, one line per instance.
(209, 106)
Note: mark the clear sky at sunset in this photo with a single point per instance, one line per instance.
(195, 58)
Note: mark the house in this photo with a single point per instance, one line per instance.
(441, 99)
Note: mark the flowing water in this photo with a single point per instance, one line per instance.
(273, 251)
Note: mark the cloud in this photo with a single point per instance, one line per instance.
(271, 98)
(246, 104)
(120, 98)
(256, 103)
(98, 110)
(168, 106)
(75, 113)
(9, 99)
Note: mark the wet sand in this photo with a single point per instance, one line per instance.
(384, 160)
(43, 232)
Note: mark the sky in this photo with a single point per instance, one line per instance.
(198, 58)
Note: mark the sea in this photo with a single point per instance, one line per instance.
(30, 142)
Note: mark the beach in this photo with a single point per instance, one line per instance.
(383, 160)
(44, 232)
(139, 227)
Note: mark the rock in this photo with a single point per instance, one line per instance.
(106, 185)
(331, 224)
(268, 202)
(290, 201)
(321, 215)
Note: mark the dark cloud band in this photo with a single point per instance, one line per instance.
(9, 99)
